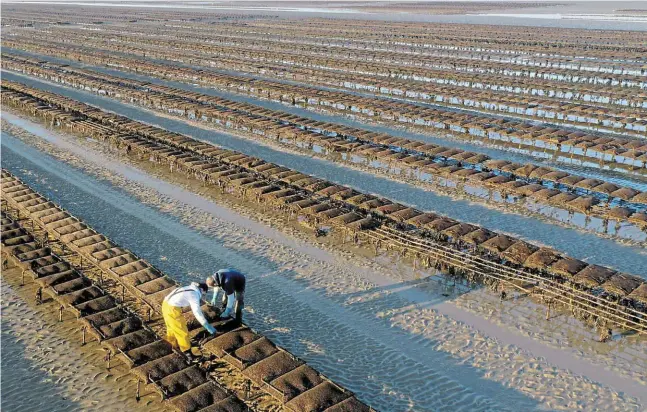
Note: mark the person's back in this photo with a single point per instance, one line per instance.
(177, 333)
(233, 283)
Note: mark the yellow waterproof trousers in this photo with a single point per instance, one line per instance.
(177, 333)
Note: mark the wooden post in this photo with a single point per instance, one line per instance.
(137, 395)
(22, 278)
(107, 359)
(60, 313)
(83, 335)
(39, 296)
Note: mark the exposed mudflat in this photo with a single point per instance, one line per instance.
(443, 352)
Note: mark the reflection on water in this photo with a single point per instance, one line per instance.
(187, 255)
(26, 387)
(574, 243)
(512, 153)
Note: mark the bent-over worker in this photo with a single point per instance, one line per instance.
(177, 333)
(232, 282)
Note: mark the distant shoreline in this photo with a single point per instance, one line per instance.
(573, 15)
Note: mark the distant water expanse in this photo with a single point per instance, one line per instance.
(595, 15)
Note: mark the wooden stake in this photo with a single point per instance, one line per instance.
(137, 397)
(60, 313)
(39, 296)
(83, 336)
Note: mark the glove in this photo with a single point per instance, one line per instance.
(225, 314)
(210, 329)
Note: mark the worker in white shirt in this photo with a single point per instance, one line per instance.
(177, 333)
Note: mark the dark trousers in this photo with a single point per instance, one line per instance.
(239, 304)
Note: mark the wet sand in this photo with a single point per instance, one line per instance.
(426, 340)
(45, 367)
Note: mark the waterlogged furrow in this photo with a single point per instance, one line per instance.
(310, 277)
(388, 79)
(512, 153)
(274, 297)
(244, 118)
(576, 244)
(567, 145)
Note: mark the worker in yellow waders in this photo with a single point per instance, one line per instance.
(177, 333)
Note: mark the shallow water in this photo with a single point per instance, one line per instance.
(26, 387)
(592, 171)
(585, 246)
(514, 17)
(413, 373)
(360, 305)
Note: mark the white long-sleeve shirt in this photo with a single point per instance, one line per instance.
(188, 296)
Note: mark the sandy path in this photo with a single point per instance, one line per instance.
(46, 368)
(430, 328)
(578, 244)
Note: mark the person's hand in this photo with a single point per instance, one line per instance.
(210, 329)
